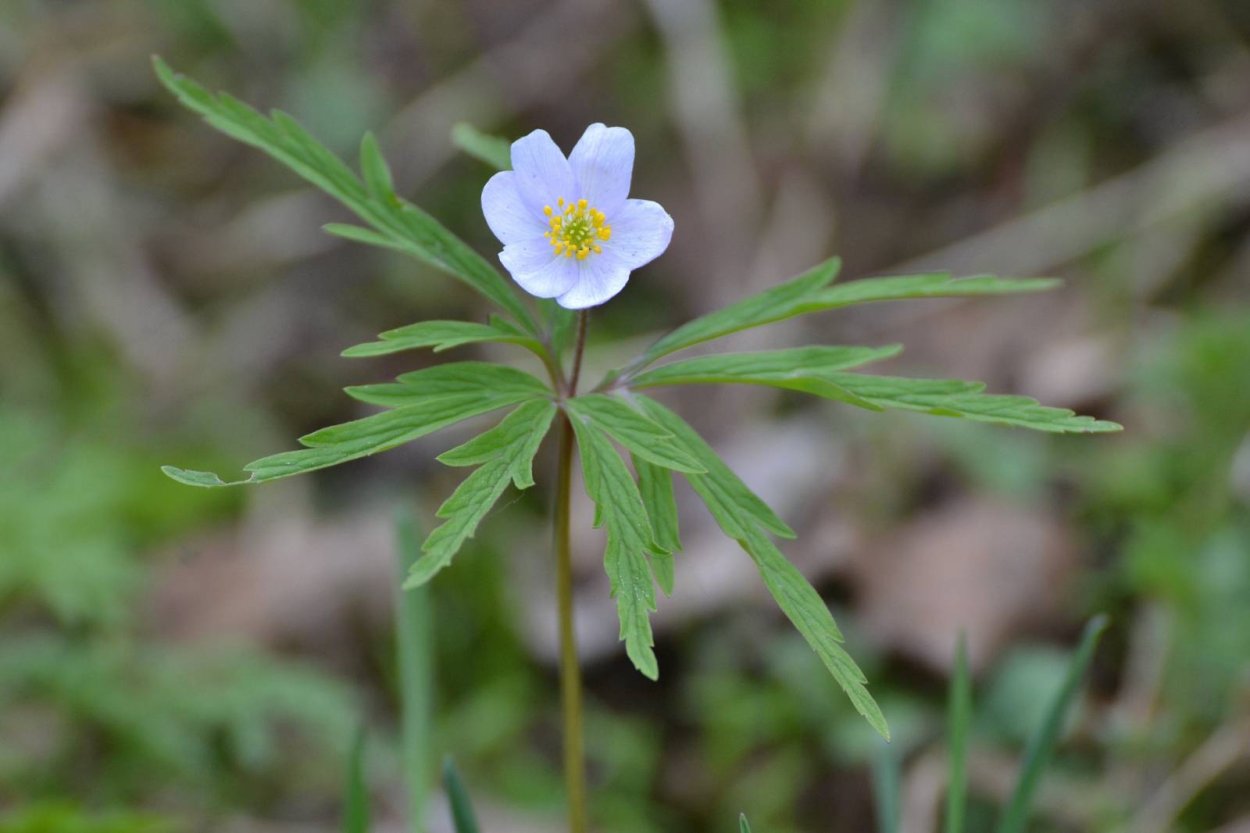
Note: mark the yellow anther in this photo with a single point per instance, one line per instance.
(576, 228)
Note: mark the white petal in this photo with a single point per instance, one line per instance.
(640, 232)
(506, 213)
(537, 269)
(599, 278)
(526, 255)
(603, 162)
(542, 172)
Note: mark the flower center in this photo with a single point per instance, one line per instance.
(576, 229)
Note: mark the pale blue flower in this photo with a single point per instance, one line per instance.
(568, 230)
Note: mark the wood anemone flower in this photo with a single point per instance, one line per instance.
(568, 228)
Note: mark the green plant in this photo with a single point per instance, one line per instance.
(636, 508)
(119, 718)
(1038, 751)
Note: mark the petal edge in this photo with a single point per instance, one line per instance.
(603, 165)
(641, 232)
(510, 219)
(542, 172)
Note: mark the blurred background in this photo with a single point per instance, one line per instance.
(174, 659)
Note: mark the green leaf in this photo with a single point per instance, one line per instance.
(492, 150)
(810, 292)
(620, 511)
(462, 817)
(655, 484)
(772, 367)
(745, 518)
(515, 439)
(632, 430)
(203, 479)
(931, 285)
(356, 813)
(775, 304)
(451, 379)
(958, 721)
(442, 335)
(398, 224)
(743, 825)
(373, 168)
(807, 611)
(821, 371)
(362, 437)
(663, 569)
(504, 453)
(740, 500)
(414, 648)
(357, 234)
(954, 398)
(1041, 745)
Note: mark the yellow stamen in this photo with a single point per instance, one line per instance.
(576, 228)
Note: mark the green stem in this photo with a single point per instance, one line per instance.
(570, 670)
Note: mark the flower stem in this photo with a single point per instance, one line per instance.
(570, 671)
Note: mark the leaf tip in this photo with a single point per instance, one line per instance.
(1096, 626)
(416, 578)
(644, 660)
(190, 477)
(165, 73)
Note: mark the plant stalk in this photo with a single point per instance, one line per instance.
(570, 670)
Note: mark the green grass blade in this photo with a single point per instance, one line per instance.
(886, 789)
(743, 825)
(462, 816)
(414, 644)
(959, 716)
(1042, 743)
(356, 813)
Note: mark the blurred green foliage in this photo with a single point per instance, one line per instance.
(62, 818)
(1173, 500)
